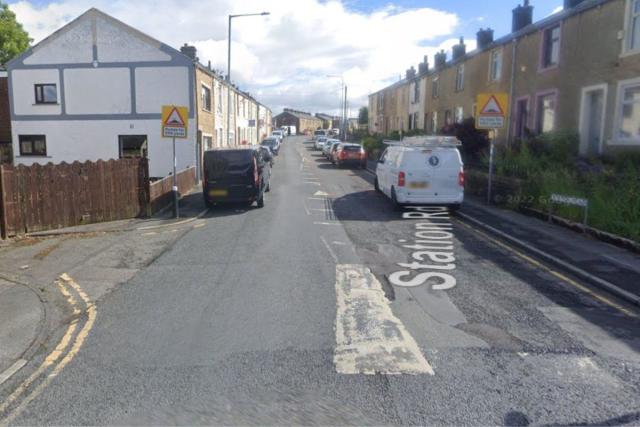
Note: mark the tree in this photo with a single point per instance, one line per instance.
(363, 116)
(13, 38)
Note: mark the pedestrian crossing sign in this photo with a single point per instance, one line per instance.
(493, 110)
(175, 121)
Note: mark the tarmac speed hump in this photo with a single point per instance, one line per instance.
(492, 110)
(175, 121)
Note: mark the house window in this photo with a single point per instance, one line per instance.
(132, 146)
(435, 87)
(634, 26)
(495, 66)
(551, 47)
(546, 113)
(628, 127)
(207, 142)
(416, 92)
(46, 93)
(206, 98)
(33, 145)
(219, 106)
(459, 115)
(460, 78)
(434, 122)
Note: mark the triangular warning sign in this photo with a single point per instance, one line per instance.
(492, 108)
(174, 119)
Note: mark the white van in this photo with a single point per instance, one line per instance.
(424, 170)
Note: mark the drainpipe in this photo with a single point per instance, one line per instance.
(512, 90)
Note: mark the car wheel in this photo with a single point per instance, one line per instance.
(261, 201)
(394, 200)
(376, 186)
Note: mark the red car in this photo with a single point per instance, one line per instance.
(350, 154)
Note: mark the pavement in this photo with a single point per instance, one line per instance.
(323, 308)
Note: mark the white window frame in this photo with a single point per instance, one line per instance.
(498, 68)
(616, 140)
(458, 118)
(460, 78)
(435, 83)
(582, 124)
(628, 30)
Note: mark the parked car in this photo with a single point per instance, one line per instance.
(422, 170)
(273, 143)
(268, 156)
(320, 141)
(278, 134)
(327, 147)
(235, 175)
(349, 154)
(320, 133)
(332, 150)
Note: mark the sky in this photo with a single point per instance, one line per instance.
(285, 59)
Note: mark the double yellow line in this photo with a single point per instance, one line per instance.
(64, 352)
(605, 300)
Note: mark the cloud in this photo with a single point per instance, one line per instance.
(286, 56)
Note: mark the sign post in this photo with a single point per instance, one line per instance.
(175, 121)
(492, 116)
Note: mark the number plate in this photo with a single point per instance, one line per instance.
(218, 193)
(419, 185)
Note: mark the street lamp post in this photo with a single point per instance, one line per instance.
(343, 113)
(229, 68)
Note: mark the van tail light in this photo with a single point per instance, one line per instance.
(401, 179)
(255, 172)
(343, 155)
(363, 154)
(461, 178)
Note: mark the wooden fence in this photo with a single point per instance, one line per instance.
(44, 197)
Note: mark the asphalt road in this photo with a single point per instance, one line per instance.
(272, 316)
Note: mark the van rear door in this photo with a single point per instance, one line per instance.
(431, 172)
(229, 174)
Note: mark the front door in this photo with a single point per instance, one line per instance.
(592, 123)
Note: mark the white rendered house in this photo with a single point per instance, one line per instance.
(94, 90)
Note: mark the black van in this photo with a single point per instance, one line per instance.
(236, 175)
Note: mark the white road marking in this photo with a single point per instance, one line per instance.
(326, 223)
(322, 210)
(331, 252)
(369, 338)
(9, 372)
(306, 209)
(317, 198)
(321, 193)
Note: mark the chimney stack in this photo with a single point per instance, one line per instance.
(459, 50)
(423, 67)
(411, 73)
(484, 38)
(189, 51)
(440, 59)
(522, 16)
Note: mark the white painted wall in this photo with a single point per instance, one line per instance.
(72, 46)
(71, 140)
(97, 91)
(116, 45)
(24, 98)
(158, 86)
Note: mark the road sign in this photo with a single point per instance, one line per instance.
(175, 121)
(493, 110)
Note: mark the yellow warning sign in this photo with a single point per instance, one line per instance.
(175, 121)
(492, 110)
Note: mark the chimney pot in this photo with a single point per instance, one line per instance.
(189, 51)
(459, 50)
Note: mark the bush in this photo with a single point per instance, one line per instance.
(474, 141)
